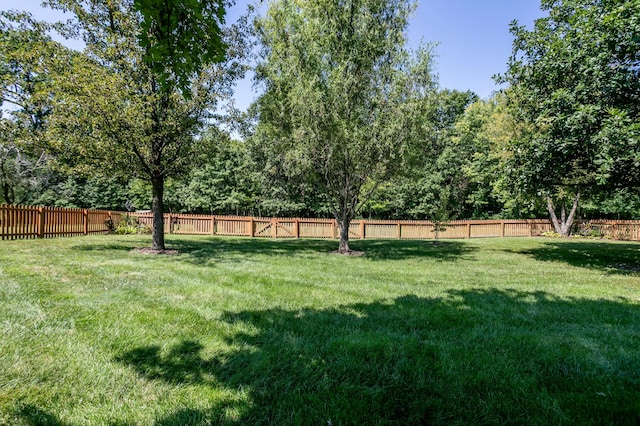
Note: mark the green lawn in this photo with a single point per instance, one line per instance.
(247, 331)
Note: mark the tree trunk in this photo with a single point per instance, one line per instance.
(563, 226)
(157, 206)
(7, 191)
(343, 226)
(7, 194)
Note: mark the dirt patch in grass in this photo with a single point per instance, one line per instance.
(149, 250)
(349, 253)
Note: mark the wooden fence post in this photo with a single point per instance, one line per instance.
(502, 225)
(85, 221)
(251, 227)
(4, 227)
(399, 231)
(468, 229)
(213, 225)
(362, 231)
(41, 222)
(613, 231)
(274, 228)
(5, 223)
(296, 228)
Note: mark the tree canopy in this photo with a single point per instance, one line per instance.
(180, 38)
(575, 80)
(28, 60)
(122, 108)
(343, 99)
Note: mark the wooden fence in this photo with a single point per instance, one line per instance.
(359, 229)
(46, 222)
(626, 230)
(189, 224)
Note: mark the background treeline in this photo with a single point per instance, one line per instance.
(344, 126)
(231, 176)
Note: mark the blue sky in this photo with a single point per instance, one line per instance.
(474, 39)
(473, 36)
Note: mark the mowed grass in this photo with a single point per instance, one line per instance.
(248, 331)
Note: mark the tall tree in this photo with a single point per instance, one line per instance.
(343, 98)
(575, 81)
(147, 82)
(28, 59)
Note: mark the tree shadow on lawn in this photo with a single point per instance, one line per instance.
(608, 257)
(406, 249)
(203, 249)
(474, 356)
(182, 364)
(125, 246)
(32, 415)
(211, 248)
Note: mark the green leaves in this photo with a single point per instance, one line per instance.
(334, 95)
(133, 102)
(571, 77)
(29, 61)
(342, 103)
(180, 37)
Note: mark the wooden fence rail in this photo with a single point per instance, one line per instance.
(46, 222)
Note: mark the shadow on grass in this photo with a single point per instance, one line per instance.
(201, 249)
(124, 246)
(182, 364)
(470, 357)
(404, 249)
(204, 249)
(31, 415)
(613, 258)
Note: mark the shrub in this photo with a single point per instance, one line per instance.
(128, 225)
(586, 230)
(111, 226)
(551, 234)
